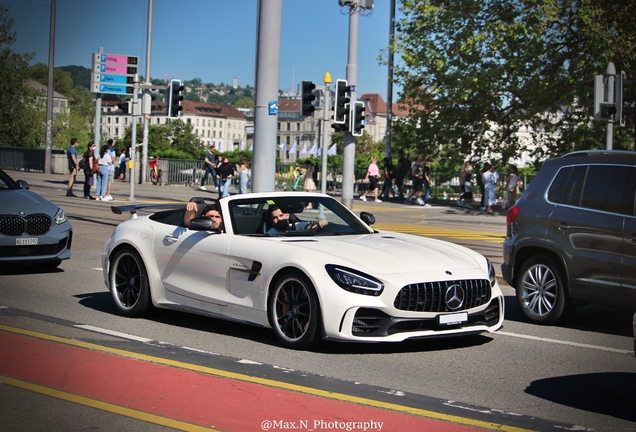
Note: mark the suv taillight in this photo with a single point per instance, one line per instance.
(512, 214)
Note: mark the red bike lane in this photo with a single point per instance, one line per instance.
(189, 398)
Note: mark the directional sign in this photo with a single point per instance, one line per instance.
(114, 79)
(115, 59)
(111, 89)
(113, 73)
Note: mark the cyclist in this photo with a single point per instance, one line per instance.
(154, 174)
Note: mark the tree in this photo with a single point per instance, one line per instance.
(18, 115)
(475, 73)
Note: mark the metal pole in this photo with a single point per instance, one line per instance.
(146, 99)
(610, 73)
(133, 139)
(389, 102)
(349, 152)
(325, 134)
(268, 65)
(49, 93)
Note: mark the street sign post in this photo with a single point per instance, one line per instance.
(113, 73)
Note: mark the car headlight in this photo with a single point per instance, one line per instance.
(491, 273)
(354, 281)
(60, 216)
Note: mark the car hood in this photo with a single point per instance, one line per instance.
(23, 200)
(388, 252)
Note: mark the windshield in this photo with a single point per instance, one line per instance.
(319, 217)
(7, 182)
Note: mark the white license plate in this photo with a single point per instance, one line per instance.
(451, 319)
(26, 241)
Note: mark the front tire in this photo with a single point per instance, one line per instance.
(129, 284)
(540, 291)
(294, 312)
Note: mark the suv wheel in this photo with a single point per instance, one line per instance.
(540, 291)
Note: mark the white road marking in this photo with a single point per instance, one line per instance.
(113, 333)
(95, 268)
(576, 344)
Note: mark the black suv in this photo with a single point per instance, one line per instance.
(571, 237)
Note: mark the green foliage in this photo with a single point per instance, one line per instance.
(477, 72)
(19, 118)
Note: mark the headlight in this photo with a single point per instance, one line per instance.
(60, 216)
(354, 281)
(491, 273)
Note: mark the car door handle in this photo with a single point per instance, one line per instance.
(562, 226)
(170, 238)
(632, 237)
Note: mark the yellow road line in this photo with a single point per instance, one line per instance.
(433, 231)
(104, 406)
(270, 382)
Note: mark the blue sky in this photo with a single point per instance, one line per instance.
(209, 39)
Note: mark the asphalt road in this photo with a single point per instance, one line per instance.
(582, 373)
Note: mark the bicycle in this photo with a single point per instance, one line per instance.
(155, 173)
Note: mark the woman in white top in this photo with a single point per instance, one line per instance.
(511, 185)
(102, 175)
(491, 181)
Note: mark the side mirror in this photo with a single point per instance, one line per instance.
(202, 223)
(23, 184)
(367, 218)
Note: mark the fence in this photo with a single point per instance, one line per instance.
(444, 185)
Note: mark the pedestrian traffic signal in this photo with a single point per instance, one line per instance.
(357, 118)
(622, 96)
(341, 102)
(175, 96)
(607, 111)
(306, 100)
(598, 96)
(125, 107)
(337, 127)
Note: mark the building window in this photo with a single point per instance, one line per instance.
(189, 121)
(208, 123)
(288, 126)
(297, 126)
(108, 120)
(220, 123)
(117, 120)
(197, 122)
(117, 132)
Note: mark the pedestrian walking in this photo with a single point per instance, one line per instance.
(403, 169)
(209, 164)
(373, 177)
(512, 183)
(388, 173)
(73, 166)
(466, 197)
(123, 160)
(480, 183)
(308, 184)
(88, 157)
(111, 170)
(491, 181)
(224, 173)
(426, 181)
(242, 170)
(104, 162)
(416, 178)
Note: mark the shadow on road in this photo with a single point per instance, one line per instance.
(611, 393)
(594, 318)
(24, 269)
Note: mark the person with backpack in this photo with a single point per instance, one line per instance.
(389, 174)
(403, 168)
(85, 164)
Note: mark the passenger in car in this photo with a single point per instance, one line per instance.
(211, 210)
(281, 224)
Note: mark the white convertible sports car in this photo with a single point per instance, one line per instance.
(325, 274)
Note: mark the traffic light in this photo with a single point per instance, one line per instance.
(307, 97)
(607, 111)
(337, 127)
(622, 96)
(341, 102)
(598, 96)
(125, 107)
(175, 96)
(357, 118)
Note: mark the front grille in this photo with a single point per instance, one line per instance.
(37, 224)
(430, 296)
(373, 323)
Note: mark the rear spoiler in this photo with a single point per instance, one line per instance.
(132, 208)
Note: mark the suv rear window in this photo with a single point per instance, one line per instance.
(597, 187)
